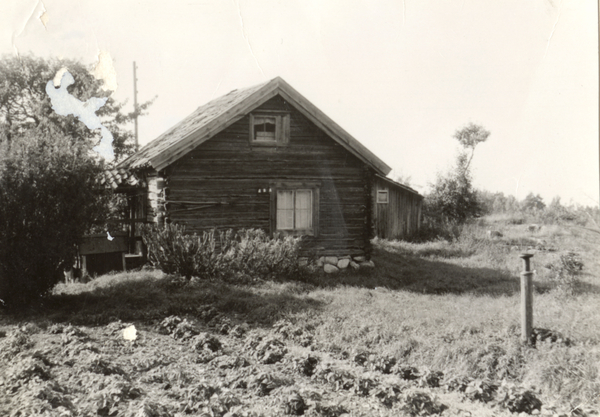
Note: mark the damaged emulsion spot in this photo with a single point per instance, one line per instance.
(553, 29)
(105, 71)
(44, 19)
(64, 104)
(246, 37)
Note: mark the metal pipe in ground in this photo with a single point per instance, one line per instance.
(526, 299)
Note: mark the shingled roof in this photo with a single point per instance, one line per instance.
(117, 178)
(220, 113)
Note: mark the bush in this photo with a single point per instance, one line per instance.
(566, 270)
(48, 200)
(481, 390)
(517, 399)
(421, 403)
(171, 250)
(453, 200)
(220, 254)
(254, 253)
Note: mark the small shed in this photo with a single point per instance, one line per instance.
(396, 209)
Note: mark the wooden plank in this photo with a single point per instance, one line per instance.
(83, 265)
(94, 245)
(286, 128)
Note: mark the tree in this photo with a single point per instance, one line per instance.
(469, 137)
(48, 198)
(491, 202)
(453, 198)
(533, 202)
(24, 104)
(49, 173)
(403, 179)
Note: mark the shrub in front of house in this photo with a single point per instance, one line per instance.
(171, 250)
(253, 252)
(213, 254)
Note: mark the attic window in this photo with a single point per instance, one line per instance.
(264, 128)
(382, 196)
(269, 129)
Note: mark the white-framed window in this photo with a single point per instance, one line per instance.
(382, 196)
(295, 209)
(269, 129)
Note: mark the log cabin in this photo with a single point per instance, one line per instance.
(265, 157)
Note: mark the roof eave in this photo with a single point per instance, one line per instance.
(397, 184)
(332, 128)
(216, 125)
(274, 87)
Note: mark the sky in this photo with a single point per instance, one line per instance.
(399, 76)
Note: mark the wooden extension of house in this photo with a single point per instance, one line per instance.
(265, 157)
(396, 209)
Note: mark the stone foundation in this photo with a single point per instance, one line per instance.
(333, 264)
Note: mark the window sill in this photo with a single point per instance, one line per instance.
(295, 233)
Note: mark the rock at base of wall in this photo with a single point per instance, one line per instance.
(360, 259)
(343, 263)
(302, 261)
(345, 257)
(354, 265)
(367, 264)
(332, 260)
(321, 261)
(330, 269)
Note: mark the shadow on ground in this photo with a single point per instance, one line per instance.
(146, 297)
(427, 276)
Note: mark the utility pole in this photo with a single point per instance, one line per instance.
(135, 107)
(133, 198)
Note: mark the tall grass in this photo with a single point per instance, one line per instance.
(445, 321)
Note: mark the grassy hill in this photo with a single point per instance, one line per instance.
(434, 328)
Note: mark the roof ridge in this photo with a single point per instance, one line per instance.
(212, 117)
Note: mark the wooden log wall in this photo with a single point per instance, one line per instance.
(400, 218)
(217, 184)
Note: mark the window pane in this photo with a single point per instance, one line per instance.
(285, 210)
(285, 199)
(303, 209)
(269, 125)
(264, 128)
(303, 199)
